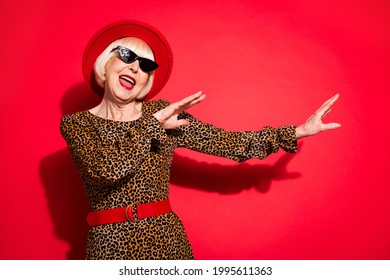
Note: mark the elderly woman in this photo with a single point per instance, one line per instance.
(123, 147)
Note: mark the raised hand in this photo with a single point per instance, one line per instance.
(168, 116)
(314, 124)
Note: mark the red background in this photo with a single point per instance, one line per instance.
(259, 64)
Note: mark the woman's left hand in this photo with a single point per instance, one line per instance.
(314, 124)
(168, 116)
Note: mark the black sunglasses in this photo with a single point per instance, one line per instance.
(128, 56)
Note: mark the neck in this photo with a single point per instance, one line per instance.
(118, 112)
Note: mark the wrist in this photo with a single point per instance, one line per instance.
(299, 132)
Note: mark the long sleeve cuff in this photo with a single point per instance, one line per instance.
(287, 139)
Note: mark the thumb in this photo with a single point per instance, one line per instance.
(182, 122)
(331, 126)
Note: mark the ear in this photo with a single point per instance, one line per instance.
(104, 71)
(103, 77)
(100, 81)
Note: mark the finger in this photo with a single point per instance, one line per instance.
(196, 101)
(190, 98)
(329, 126)
(332, 100)
(175, 125)
(327, 112)
(190, 101)
(165, 116)
(182, 122)
(315, 115)
(328, 104)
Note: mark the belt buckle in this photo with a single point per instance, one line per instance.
(128, 217)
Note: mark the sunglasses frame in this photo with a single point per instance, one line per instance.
(146, 64)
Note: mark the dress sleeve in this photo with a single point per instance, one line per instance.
(238, 146)
(102, 162)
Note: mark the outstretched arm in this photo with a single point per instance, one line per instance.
(190, 133)
(314, 124)
(168, 117)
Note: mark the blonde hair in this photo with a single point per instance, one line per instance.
(136, 45)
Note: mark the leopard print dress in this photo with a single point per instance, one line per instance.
(127, 163)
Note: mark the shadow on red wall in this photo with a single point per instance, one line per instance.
(67, 200)
(68, 203)
(229, 179)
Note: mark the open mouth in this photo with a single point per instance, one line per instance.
(126, 81)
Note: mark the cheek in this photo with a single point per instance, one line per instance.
(110, 69)
(143, 79)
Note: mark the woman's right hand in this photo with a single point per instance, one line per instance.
(314, 124)
(168, 116)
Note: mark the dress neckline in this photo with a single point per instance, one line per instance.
(116, 121)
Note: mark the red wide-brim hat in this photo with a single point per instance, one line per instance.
(129, 28)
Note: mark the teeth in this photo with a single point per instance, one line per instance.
(128, 79)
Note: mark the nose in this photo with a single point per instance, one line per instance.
(134, 66)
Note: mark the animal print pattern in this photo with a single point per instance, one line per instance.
(128, 163)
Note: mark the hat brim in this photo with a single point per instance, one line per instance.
(129, 28)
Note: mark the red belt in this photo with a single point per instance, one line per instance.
(122, 214)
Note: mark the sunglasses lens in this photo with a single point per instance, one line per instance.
(126, 55)
(148, 65)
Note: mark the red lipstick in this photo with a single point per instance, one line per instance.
(127, 81)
